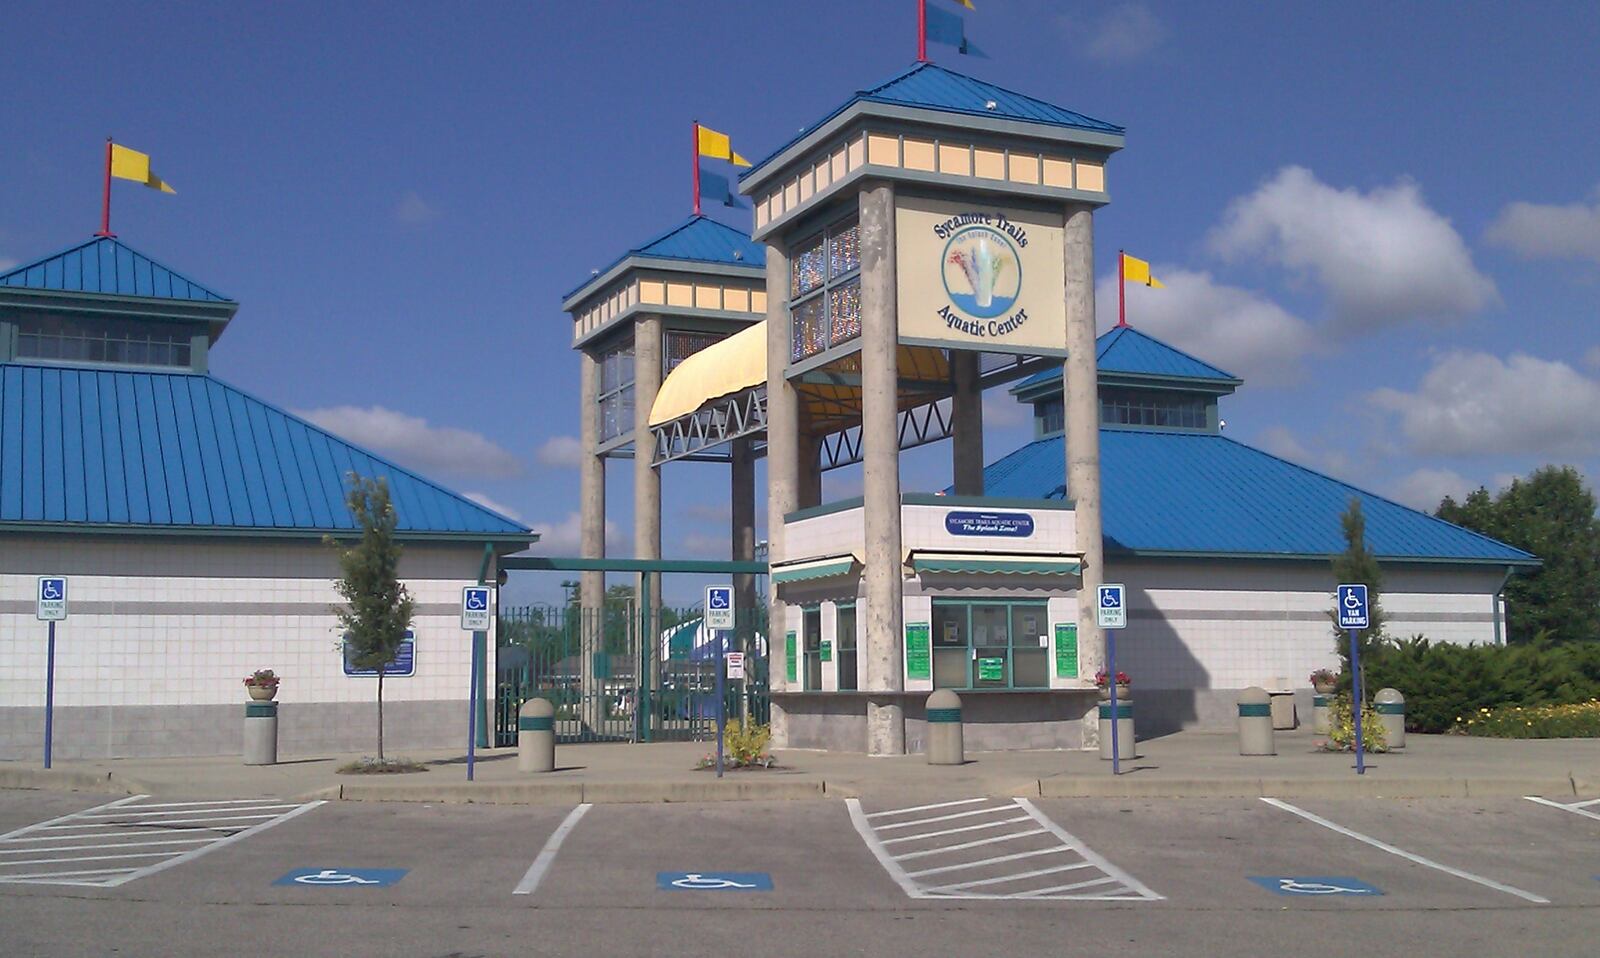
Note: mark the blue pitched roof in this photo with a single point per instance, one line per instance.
(182, 452)
(699, 239)
(1124, 349)
(928, 86)
(106, 265)
(1173, 492)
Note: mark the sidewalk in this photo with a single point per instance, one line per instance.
(1184, 765)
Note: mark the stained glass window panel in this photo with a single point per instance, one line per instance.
(844, 250)
(809, 268)
(810, 329)
(844, 304)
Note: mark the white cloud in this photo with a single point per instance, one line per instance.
(1424, 489)
(1229, 327)
(1383, 257)
(712, 512)
(564, 452)
(1548, 230)
(1124, 32)
(565, 537)
(412, 441)
(700, 545)
(412, 210)
(6, 264)
(1002, 411)
(1478, 404)
(484, 501)
(1592, 357)
(1282, 443)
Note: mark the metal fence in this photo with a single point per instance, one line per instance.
(621, 674)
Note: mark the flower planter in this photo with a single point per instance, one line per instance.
(1124, 692)
(262, 693)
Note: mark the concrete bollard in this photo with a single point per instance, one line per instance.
(536, 736)
(946, 745)
(1319, 712)
(261, 733)
(1391, 708)
(1124, 727)
(1255, 722)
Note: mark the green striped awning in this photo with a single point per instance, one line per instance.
(995, 563)
(823, 568)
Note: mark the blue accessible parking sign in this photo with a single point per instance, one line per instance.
(1353, 606)
(1314, 887)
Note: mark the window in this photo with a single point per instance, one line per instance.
(811, 649)
(825, 289)
(1052, 417)
(616, 392)
(1127, 407)
(679, 346)
(989, 645)
(845, 639)
(122, 342)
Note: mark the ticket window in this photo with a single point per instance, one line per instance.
(990, 645)
(811, 645)
(845, 647)
(951, 657)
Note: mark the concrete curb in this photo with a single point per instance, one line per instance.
(1352, 787)
(573, 793)
(64, 780)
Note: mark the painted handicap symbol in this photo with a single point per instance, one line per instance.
(50, 589)
(332, 876)
(1318, 888)
(1351, 600)
(714, 881)
(477, 599)
(719, 599)
(695, 880)
(342, 877)
(1315, 885)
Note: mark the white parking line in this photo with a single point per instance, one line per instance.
(547, 854)
(1408, 856)
(990, 870)
(1576, 808)
(60, 841)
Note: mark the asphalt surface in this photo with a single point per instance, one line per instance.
(1125, 877)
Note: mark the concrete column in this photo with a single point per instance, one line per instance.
(647, 352)
(966, 414)
(783, 463)
(1083, 435)
(742, 495)
(809, 449)
(881, 644)
(592, 512)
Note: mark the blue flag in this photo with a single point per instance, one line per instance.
(950, 29)
(714, 188)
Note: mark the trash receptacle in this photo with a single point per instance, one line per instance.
(946, 744)
(261, 733)
(1391, 708)
(1255, 722)
(536, 736)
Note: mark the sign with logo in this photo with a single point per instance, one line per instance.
(343, 877)
(1314, 887)
(476, 606)
(977, 276)
(719, 606)
(713, 881)
(1010, 525)
(735, 665)
(52, 595)
(1352, 606)
(1111, 609)
(403, 665)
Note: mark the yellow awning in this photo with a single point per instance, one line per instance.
(737, 363)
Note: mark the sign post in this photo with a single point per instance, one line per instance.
(1111, 614)
(476, 603)
(52, 609)
(1353, 616)
(718, 620)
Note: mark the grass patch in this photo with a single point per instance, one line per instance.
(1579, 720)
(389, 766)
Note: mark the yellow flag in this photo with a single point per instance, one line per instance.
(1138, 271)
(129, 164)
(967, 4)
(716, 146)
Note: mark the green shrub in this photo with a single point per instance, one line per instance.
(1342, 728)
(1578, 720)
(1444, 681)
(746, 741)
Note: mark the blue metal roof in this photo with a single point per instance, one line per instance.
(1200, 493)
(106, 265)
(699, 239)
(177, 452)
(928, 86)
(1124, 349)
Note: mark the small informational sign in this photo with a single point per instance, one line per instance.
(1352, 599)
(1066, 650)
(791, 658)
(991, 670)
(343, 877)
(1111, 609)
(735, 665)
(1009, 525)
(713, 881)
(403, 665)
(52, 596)
(476, 606)
(825, 651)
(1314, 887)
(919, 640)
(719, 606)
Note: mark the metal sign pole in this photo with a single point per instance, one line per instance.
(1355, 698)
(472, 715)
(49, 692)
(1111, 680)
(722, 678)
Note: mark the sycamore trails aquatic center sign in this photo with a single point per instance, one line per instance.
(980, 277)
(1017, 525)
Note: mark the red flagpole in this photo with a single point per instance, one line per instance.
(105, 202)
(1122, 305)
(922, 31)
(697, 167)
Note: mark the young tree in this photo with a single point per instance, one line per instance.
(1357, 564)
(379, 608)
(1551, 514)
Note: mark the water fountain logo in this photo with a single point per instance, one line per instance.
(982, 271)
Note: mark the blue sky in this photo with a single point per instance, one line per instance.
(1385, 217)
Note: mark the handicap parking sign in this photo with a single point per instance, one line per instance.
(1111, 606)
(713, 881)
(52, 598)
(476, 606)
(1314, 887)
(343, 877)
(1352, 601)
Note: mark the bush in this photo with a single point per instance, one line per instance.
(746, 741)
(1342, 728)
(1579, 720)
(1443, 682)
